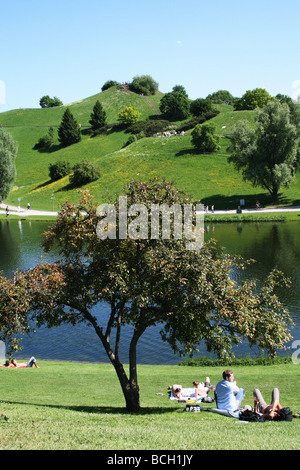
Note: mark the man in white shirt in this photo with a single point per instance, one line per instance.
(228, 395)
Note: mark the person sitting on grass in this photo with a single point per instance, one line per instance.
(228, 395)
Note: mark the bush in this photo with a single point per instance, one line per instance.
(129, 115)
(108, 84)
(84, 173)
(46, 141)
(148, 127)
(204, 138)
(131, 139)
(59, 169)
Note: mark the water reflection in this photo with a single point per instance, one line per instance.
(269, 244)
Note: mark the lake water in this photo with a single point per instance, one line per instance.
(271, 244)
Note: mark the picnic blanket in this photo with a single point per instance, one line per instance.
(186, 394)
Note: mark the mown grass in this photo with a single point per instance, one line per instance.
(80, 406)
(209, 178)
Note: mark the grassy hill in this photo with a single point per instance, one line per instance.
(207, 177)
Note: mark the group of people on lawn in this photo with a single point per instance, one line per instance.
(229, 396)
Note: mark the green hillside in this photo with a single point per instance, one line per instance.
(207, 177)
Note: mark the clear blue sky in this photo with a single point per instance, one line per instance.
(70, 48)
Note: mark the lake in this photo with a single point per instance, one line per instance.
(270, 244)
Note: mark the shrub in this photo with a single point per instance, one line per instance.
(204, 138)
(129, 115)
(84, 173)
(46, 141)
(108, 84)
(59, 169)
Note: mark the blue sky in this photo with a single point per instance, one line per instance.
(70, 48)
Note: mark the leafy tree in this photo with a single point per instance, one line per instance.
(8, 153)
(109, 84)
(267, 156)
(47, 102)
(180, 89)
(253, 99)
(221, 96)
(175, 106)
(129, 115)
(98, 117)
(201, 106)
(144, 85)
(68, 131)
(145, 282)
(204, 138)
(84, 173)
(59, 169)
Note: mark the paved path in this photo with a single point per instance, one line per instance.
(25, 212)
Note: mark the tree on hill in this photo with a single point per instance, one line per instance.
(252, 99)
(201, 106)
(129, 115)
(175, 106)
(8, 153)
(109, 84)
(204, 138)
(144, 84)
(98, 117)
(143, 280)
(47, 102)
(221, 96)
(267, 156)
(68, 131)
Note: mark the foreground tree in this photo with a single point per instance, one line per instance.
(268, 155)
(145, 281)
(8, 153)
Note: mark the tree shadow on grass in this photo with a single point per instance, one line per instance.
(101, 409)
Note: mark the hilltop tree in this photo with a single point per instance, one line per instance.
(267, 156)
(98, 117)
(68, 131)
(221, 96)
(47, 102)
(8, 153)
(144, 282)
(144, 84)
(252, 99)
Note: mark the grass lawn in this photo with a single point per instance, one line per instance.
(81, 406)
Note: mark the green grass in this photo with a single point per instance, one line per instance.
(209, 178)
(80, 406)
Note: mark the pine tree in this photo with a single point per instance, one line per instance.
(69, 131)
(98, 117)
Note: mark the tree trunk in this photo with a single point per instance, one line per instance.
(130, 389)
